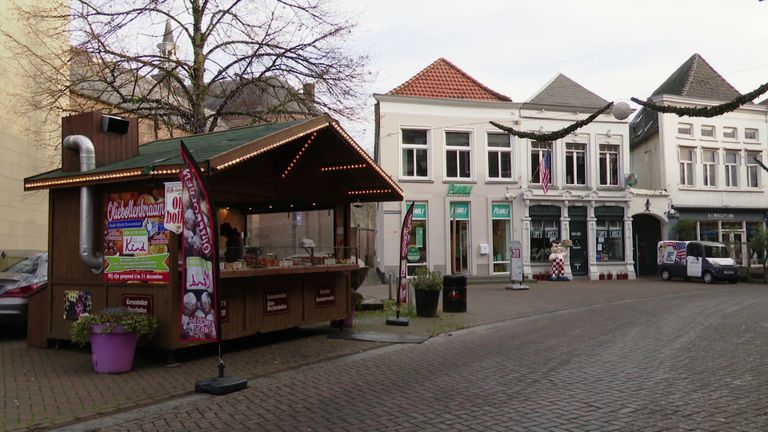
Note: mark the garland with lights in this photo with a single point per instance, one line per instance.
(556, 135)
(712, 111)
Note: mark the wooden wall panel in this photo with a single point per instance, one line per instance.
(60, 327)
(110, 147)
(64, 233)
(339, 285)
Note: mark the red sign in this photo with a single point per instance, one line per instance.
(276, 302)
(138, 303)
(325, 297)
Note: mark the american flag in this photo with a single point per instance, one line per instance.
(544, 174)
(679, 247)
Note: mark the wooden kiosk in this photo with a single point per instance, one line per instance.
(260, 170)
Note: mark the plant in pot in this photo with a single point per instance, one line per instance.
(113, 334)
(426, 286)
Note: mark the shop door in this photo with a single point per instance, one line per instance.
(460, 242)
(579, 264)
(735, 242)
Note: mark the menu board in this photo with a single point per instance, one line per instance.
(135, 239)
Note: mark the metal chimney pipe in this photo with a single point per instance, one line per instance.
(84, 146)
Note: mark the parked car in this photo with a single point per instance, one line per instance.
(21, 274)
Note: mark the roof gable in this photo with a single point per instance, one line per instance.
(697, 79)
(564, 92)
(443, 80)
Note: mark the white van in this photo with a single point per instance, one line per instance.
(687, 259)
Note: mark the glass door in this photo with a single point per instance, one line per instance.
(459, 227)
(735, 242)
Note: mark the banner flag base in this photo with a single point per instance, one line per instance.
(221, 385)
(397, 321)
(517, 286)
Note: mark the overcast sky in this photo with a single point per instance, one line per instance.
(615, 48)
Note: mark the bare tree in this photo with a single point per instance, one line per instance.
(252, 60)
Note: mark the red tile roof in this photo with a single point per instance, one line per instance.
(442, 79)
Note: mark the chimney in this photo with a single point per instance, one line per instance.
(309, 93)
(114, 139)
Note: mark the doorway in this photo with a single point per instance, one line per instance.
(579, 248)
(734, 240)
(460, 245)
(647, 231)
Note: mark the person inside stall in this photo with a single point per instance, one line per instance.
(234, 251)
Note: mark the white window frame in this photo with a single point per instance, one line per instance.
(499, 151)
(712, 131)
(458, 150)
(709, 168)
(574, 153)
(414, 148)
(734, 136)
(541, 147)
(752, 166)
(688, 126)
(605, 163)
(756, 137)
(687, 167)
(732, 170)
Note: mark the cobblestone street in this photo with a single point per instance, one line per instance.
(692, 360)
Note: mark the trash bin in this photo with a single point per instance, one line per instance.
(454, 293)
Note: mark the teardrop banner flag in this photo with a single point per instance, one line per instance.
(200, 270)
(405, 238)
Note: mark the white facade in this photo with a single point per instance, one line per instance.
(707, 167)
(447, 123)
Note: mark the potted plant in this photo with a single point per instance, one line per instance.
(113, 334)
(427, 285)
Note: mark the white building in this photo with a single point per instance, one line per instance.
(707, 165)
(477, 188)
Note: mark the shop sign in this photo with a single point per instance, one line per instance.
(419, 210)
(413, 254)
(459, 190)
(223, 310)
(137, 303)
(135, 239)
(325, 297)
(501, 211)
(276, 302)
(459, 211)
(719, 216)
(174, 213)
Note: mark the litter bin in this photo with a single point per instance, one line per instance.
(454, 293)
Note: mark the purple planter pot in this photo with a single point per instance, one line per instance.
(112, 352)
(350, 320)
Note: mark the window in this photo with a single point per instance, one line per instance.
(575, 164)
(685, 129)
(417, 244)
(609, 165)
(708, 131)
(750, 134)
(499, 156)
(609, 234)
(730, 133)
(500, 215)
(708, 231)
(687, 159)
(415, 150)
(753, 170)
(544, 231)
(538, 150)
(732, 169)
(709, 164)
(457, 155)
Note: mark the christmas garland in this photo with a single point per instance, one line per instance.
(556, 135)
(713, 111)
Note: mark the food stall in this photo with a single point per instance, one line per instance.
(115, 224)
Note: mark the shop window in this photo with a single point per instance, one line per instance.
(499, 156)
(457, 155)
(732, 169)
(609, 234)
(609, 165)
(500, 224)
(415, 151)
(417, 245)
(753, 170)
(687, 160)
(544, 231)
(575, 164)
(708, 231)
(756, 256)
(709, 165)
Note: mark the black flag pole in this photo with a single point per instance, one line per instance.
(200, 250)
